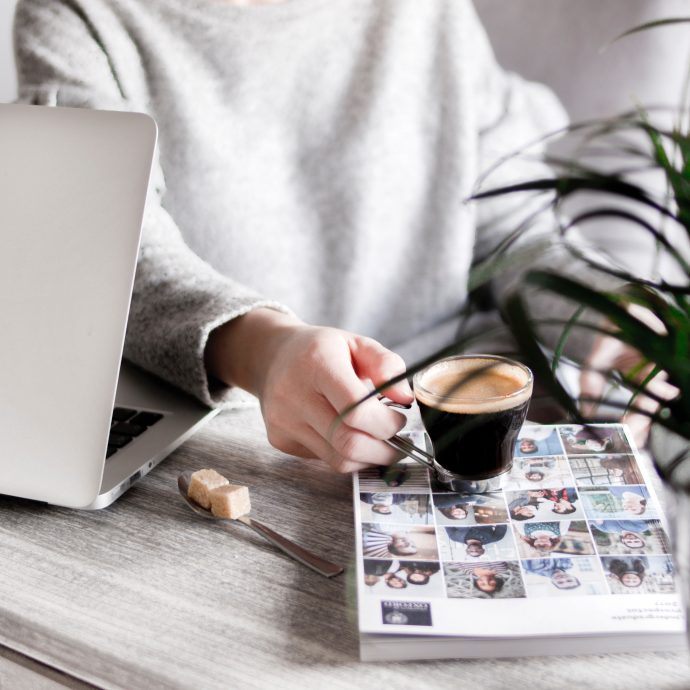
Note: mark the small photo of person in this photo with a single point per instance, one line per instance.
(403, 477)
(544, 504)
(586, 440)
(477, 543)
(627, 537)
(399, 508)
(617, 502)
(538, 441)
(539, 472)
(407, 578)
(386, 541)
(558, 577)
(375, 570)
(470, 509)
(490, 580)
(605, 470)
(570, 537)
(639, 574)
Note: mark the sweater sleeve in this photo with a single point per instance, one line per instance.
(513, 114)
(178, 299)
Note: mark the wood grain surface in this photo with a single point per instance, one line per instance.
(20, 671)
(145, 594)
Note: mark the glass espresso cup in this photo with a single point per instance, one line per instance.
(472, 407)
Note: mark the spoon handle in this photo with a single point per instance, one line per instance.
(321, 566)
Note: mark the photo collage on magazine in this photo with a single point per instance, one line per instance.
(574, 518)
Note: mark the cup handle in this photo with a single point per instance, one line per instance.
(412, 451)
(403, 445)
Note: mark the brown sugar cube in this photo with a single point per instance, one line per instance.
(230, 501)
(202, 483)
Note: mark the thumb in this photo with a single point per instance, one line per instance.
(592, 387)
(602, 357)
(373, 361)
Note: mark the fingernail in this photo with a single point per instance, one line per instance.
(405, 388)
(401, 406)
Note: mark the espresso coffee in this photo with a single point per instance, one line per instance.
(472, 409)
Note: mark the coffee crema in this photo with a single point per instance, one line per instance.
(473, 386)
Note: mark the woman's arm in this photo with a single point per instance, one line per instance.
(190, 325)
(66, 57)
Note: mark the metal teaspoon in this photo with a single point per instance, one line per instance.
(321, 566)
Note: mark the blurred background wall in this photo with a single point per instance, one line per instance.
(559, 42)
(8, 82)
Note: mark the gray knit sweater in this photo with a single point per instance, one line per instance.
(314, 155)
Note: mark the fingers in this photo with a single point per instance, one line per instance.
(343, 389)
(609, 354)
(593, 385)
(317, 373)
(357, 452)
(346, 443)
(374, 362)
(340, 442)
(592, 388)
(640, 424)
(660, 387)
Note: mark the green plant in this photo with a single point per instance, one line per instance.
(639, 144)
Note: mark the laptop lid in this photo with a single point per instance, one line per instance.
(73, 186)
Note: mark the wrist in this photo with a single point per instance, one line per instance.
(239, 352)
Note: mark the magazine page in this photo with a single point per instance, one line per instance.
(573, 544)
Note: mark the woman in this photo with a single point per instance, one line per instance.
(629, 531)
(394, 581)
(523, 507)
(544, 536)
(477, 537)
(563, 500)
(381, 503)
(374, 570)
(536, 469)
(456, 506)
(556, 569)
(632, 499)
(419, 572)
(588, 440)
(312, 163)
(630, 573)
(379, 543)
(486, 577)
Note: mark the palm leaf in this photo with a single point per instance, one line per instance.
(662, 149)
(677, 179)
(519, 321)
(568, 185)
(629, 329)
(657, 23)
(624, 214)
(563, 338)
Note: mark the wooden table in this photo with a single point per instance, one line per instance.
(147, 595)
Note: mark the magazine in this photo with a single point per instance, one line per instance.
(571, 556)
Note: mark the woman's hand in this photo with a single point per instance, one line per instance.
(304, 376)
(609, 354)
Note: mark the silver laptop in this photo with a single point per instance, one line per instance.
(77, 429)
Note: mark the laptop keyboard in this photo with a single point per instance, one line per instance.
(127, 424)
